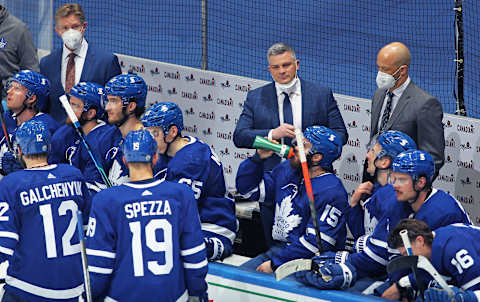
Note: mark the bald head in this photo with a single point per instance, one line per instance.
(397, 53)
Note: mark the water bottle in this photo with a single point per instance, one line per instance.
(282, 150)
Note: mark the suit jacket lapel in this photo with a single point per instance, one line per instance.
(271, 102)
(306, 100)
(376, 111)
(87, 65)
(401, 104)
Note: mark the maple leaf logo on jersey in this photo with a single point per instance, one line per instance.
(284, 221)
(3, 150)
(115, 174)
(3, 43)
(370, 222)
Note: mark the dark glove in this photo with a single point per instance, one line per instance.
(10, 163)
(438, 295)
(214, 248)
(329, 276)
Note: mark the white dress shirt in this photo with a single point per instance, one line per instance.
(397, 93)
(295, 95)
(81, 53)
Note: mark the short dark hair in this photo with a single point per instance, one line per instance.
(415, 228)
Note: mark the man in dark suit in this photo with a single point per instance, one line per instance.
(276, 109)
(399, 104)
(77, 61)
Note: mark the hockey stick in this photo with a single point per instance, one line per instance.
(293, 266)
(78, 128)
(308, 186)
(83, 251)
(404, 262)
(408, 248)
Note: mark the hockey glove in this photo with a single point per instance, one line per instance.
(203, 298)
(330, 258)
(10, 163)
(437, 295)
(214, 248)
(329, 276)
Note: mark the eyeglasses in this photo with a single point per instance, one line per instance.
(400, 181)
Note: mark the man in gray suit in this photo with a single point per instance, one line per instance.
(399, 104)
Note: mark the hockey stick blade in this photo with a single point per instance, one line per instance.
(402, 262)
(291, 267)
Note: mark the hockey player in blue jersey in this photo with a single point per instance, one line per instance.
(363, 216)
(411, 177)
(126, 95)
(293, 229)
(38, 223)
(144, 240)
(27, 94)
(188, 160)
(86, 102)
(454, 252)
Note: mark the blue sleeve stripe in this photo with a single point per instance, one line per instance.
(6, 251)
(471, 283)
(99, 270)
(204, 263)
(216, 229)
(193, 250)
(6, 234)
(99, 253)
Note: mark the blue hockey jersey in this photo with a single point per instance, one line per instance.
(456, 254)
(38, 232)
(439, 209)
(11, 124)
(144, 243)
(198, 167)
(100, 139)
(115, 168)
(64, 144)
(293, 225)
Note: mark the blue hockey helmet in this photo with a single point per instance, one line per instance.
(129, 87)
(33, 137)
(326, 142)
(139, 146)
(394, 142)
(416, 163)
(163, 115)
(36, 84)
(92, 96)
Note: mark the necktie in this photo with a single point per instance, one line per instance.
(386, 112)
(287, 115)
(70, 74)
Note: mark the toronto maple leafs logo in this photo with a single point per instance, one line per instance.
(116, 175)
(370, 222)
(3, 43)
(285, 221)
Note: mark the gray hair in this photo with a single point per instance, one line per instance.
(280, 48)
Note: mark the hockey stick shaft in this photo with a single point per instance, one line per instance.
(406, 242)
(78, 128)
(308, 187)
(4, 128)
(83, 251)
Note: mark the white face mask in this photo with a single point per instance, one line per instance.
(288, 86)
(385, 80)
(72, 39)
